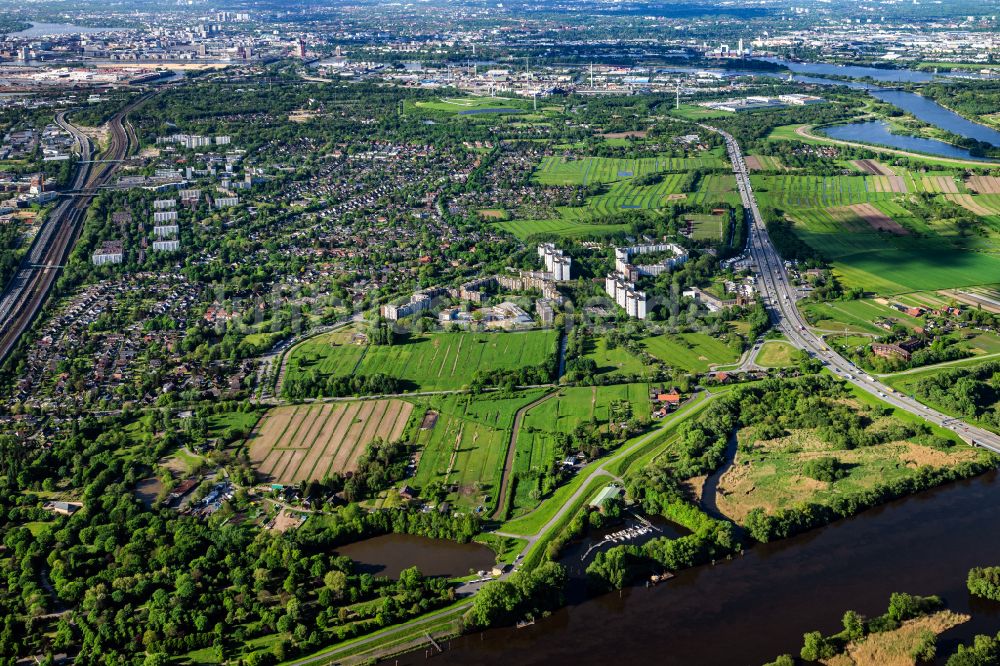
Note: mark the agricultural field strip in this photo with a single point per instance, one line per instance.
(324, 435)
(316, 425)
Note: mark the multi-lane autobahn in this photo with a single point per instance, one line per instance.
(779, 296)
(24, 296)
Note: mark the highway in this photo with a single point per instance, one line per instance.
(780, 295)
(24, 296)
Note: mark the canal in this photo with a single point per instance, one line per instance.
(757, 606)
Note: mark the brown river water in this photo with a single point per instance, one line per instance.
(757, 606)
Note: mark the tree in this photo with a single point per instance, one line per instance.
(335, 581)
(494, 604)
(816, 647)
(984, 582)
(854, 625)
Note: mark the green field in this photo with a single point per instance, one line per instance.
(618, 359)
(929, 254)
(622, 196)
(457, 105)
(707, 227)
(590, 170)
(776, 354)
(429, 362)
(524, 229)
(692, 352)
(573, 406)
(818, 191)
(465, 449)
(856, 316)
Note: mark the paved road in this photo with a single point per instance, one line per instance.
(779, 296)
(602, 470)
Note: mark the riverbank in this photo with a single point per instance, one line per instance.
(759, 605)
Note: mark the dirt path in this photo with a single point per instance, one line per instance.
(508, 464)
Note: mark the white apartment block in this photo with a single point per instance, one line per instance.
(166, 245)
(159, 217)
(166, 231)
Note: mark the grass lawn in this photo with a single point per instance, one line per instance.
(856, 316)
(776, 354)
(617, 359)
(692, 352)
(429, 362)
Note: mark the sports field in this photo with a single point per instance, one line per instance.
(302, 442)
(429, 362)
(692, 352)
(707, 227)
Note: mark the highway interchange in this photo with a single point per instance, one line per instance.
(779, 297)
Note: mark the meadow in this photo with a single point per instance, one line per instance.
(617, 359)
(429, 362)
(465, 448)
(691, 352)
(776, 354)
(768, 473)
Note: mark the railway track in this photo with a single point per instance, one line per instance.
(25, 295)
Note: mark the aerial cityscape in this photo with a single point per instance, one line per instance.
(490, 333)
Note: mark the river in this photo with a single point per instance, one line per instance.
(878, 132)
(757, 606)
(53, 29)
(920, 107)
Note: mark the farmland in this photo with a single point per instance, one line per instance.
(591, 170)
(692, 352)
(855, 316)
(884, 241)
(463, 444)
(433, 361)
(304, 442)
